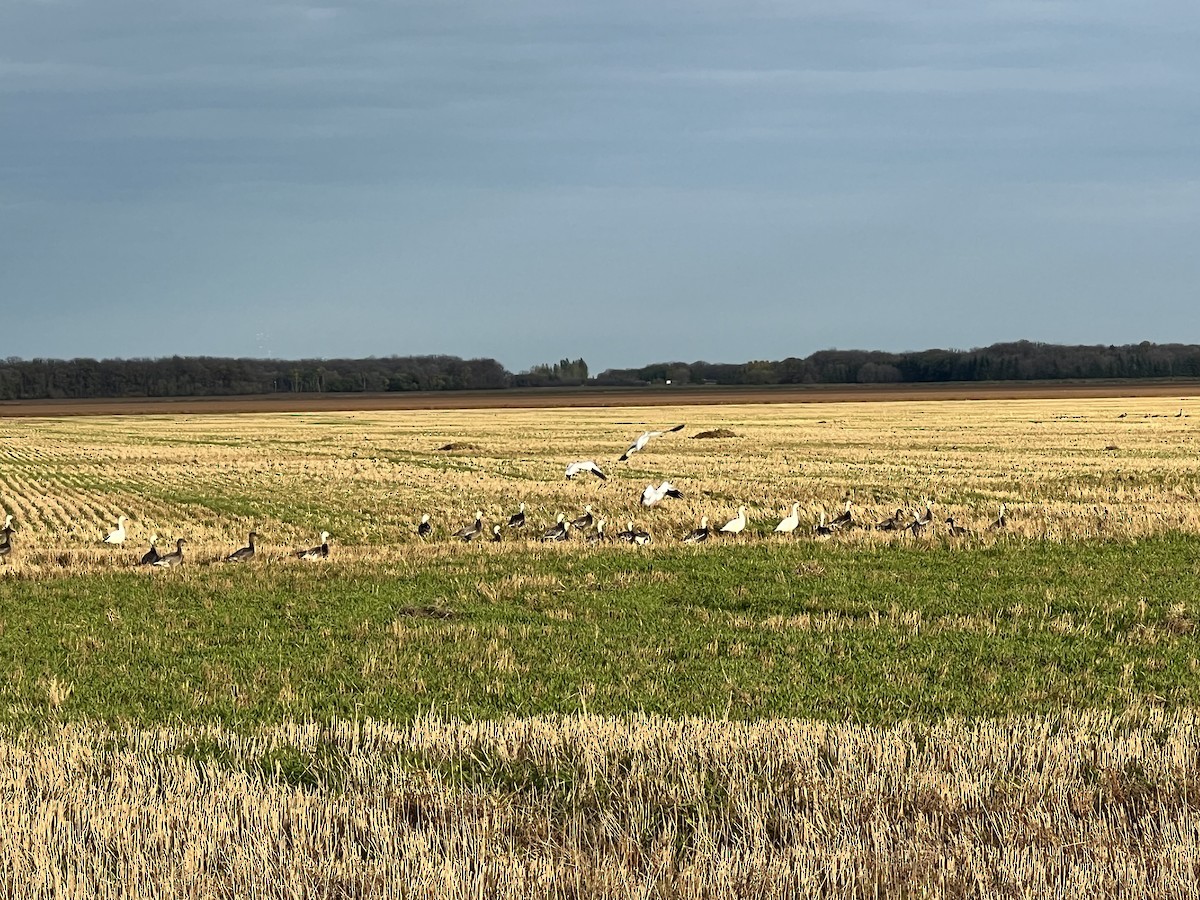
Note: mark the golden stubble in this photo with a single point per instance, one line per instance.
(1066, 469)
(1077, 804)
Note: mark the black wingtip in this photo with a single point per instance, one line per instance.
(600, 475)
(678, 428)
(623, 457)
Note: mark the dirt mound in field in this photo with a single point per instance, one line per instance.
(715, 433)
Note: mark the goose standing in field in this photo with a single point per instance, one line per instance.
(955, 530)
(517, 519)
(117, 536)
(790, 522)
(822, 528)
(469, 531)
(652, 495)
(585, 521)
(244, 553)
(6, 545)
(737, 524)
(698, 535)
(633, 535)
(151, 556)
(844, 519)
(495, 539)
(893, 523)
(424, 529)
(582, 466)
(172, 559)
(641, 537)
(643, 439)
(598, 536)
(559, 531)
(1001, 520)
(319, 552)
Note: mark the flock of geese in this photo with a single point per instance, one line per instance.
(561, 530)
(152, 557)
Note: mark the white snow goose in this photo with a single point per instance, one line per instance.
(559, 531)
(643, 439)
(583, 466)
(424, 529)
(469, 531)
(584, 521)
(790, 522)
(737, 524)
(117, 535)
(517, 519)
(699, 535)
(151, 555)
(244, 553)
(172, 559)
(653, 495)
(319, 552)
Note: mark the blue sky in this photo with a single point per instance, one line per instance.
(622, 181)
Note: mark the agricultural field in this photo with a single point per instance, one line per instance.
(1009, 712)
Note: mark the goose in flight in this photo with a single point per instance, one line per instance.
(652, 495)
(643, 439)
(244, 553)
(318, 552)
(560, 530)
(737, 524)
(585, 465)
(117, 536)
(469, 531)
(517, 519)
(598, 536)
(424, 529)
(699, 535)
(584, 521)
(790, 522)
(151, 555)
(926, 518)
(171, 559)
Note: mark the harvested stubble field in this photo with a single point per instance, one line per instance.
(1005, 714)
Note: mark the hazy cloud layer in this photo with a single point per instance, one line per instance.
(623, 181)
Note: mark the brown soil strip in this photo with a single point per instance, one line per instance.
(592, 397)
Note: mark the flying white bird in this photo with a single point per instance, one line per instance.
(737, 524)
(652, 495)
(643, 439)
(790, 522)
(117, 536)
(585, 465)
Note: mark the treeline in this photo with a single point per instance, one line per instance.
(41, 379)
(1018, 361)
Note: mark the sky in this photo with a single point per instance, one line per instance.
(626, 181)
